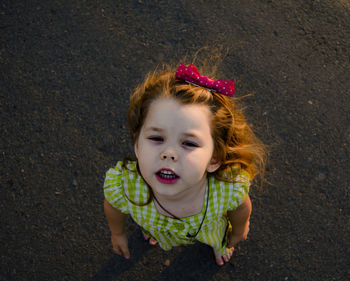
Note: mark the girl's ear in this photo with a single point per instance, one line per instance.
(136, 150)
(213, 166)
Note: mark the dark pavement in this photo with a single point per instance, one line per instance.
(66, 71)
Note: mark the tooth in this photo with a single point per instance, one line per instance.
(167, 173)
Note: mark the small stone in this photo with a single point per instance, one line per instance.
(321, 177)
(310, 102)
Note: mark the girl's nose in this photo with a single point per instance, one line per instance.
(168, 155)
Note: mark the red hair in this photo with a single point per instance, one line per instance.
(235, 144)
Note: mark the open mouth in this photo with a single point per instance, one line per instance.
(167, 176)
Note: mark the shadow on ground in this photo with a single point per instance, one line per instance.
(117, 265)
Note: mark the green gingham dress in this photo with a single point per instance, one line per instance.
(124, 184)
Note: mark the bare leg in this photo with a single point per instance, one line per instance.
(150, 240)
(222, 259)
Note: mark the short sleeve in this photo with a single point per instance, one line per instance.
(113, 188)
(237, 190)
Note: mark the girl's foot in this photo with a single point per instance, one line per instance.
(150, 240)
(222, 259)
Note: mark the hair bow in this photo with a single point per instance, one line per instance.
(191, 75)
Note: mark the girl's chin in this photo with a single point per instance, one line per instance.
(164, 190)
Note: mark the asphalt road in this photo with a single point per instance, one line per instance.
(66, 71)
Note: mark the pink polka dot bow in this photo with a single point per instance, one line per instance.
(191, 75)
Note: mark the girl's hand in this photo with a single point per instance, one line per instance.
(239, 219)
(116, 221)
(120, 244)
(234, 237)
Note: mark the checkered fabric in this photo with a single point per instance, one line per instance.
(124, 185)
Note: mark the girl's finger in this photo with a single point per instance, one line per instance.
(229, 255)
(152, 242)
(125, 251)
(117, 250)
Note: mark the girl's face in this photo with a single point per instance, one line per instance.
(175, 148)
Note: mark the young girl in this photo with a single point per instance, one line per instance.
(196, 157)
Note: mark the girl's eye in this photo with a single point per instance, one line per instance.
(190, 144)
(156, 139)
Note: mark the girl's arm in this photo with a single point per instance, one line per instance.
(116, 221)
(239, 219)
